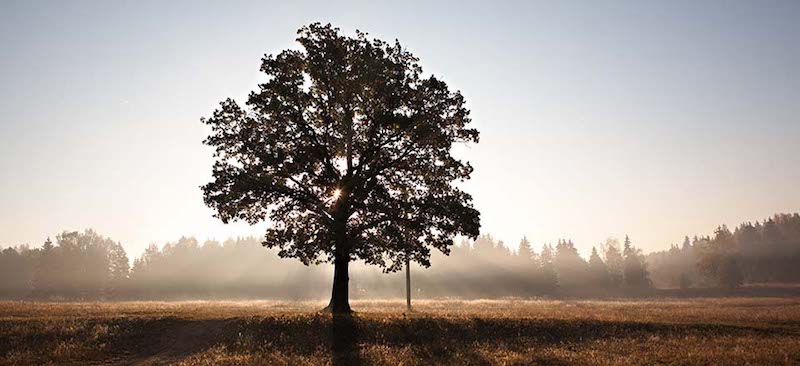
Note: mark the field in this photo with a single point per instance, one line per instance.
(732, 331)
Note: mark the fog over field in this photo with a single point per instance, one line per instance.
(88, 266)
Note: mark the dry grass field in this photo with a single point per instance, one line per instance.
(730, 331)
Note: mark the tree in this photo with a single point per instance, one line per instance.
(549, 275)
(119, 267)
(526, 269)
(525, 251)
(748, 244)
(719, 259)
(635, 268)
(573, 271)
(17, 270)
(346, 149)
(598, 269)
(48, 245)
(614, 261)
(687, 244)
(81, 266)
(45, 275)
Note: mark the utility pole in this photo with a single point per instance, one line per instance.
(408, 284)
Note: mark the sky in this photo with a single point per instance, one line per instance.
(598, 118)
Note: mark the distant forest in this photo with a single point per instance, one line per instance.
(88, 266)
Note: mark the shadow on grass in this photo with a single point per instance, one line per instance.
(344, 339)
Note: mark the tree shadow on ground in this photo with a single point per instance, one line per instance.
(344, 341)
(352, 340)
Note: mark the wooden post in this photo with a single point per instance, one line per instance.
(408, 284)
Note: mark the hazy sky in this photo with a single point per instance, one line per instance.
(597, 119)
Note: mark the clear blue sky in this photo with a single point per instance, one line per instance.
(655, 119)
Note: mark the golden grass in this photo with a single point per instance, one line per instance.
(732, 331)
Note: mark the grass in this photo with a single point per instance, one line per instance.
(731, 331)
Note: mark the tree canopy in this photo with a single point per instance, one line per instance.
(346, 149)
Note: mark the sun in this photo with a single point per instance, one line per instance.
(336, 193)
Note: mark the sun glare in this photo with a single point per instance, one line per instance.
(336, 193)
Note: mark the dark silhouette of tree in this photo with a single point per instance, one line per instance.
(635, 268)
(119, 269)
(779, 250)
(48, 245)
(685, 265)
(719, 259)
(525, 268)
(81, 266)
(236, 268)
(346, 150)
(17, 270)
(573, 271)
(748, 244)
(614, 261)
(598, 269)
(676, 267)
(549, 275)
(45, 275)
(525, 251)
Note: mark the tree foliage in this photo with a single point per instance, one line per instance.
(635, 268)
(719, 259)
(346, 147)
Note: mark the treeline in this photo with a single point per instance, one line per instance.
(761, 252)
(488, 268)
(80, 266)
(87, 266)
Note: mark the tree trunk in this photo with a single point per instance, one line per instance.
(340, 296)
(408, 284)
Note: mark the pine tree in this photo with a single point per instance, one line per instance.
(46, 271)
(635, 269)
(614, 261)
(598, 269)
(525, 268)
(525, 250)
(719, 259)
(627, 247)
(549, 277)
(687, 245)
(48, 245)
(572, 270)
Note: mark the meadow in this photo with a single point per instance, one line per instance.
(702, 331)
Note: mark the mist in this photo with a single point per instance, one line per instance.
(87, 266)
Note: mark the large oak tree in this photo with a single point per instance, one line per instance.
(346, 149)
